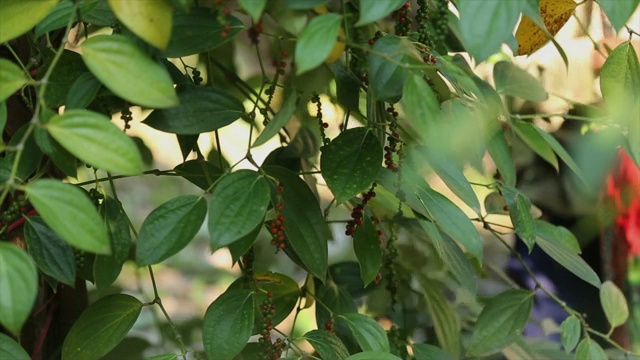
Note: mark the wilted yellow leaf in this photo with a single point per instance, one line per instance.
(554, 13)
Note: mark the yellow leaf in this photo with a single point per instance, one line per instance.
(554, 13)
(149, 19)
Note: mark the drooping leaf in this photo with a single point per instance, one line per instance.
(128, 72)
(83, 91)
(445, 322)
(614, 304)
(618, 11)
(150, 20)
(514, 81)
(557, 234)
(316, 41)
(281, 118)
(501, 321)
(101, 327)
(562, 153)
(51, 254)
(390, 55)
(18, 287)
(306, 230)
(428, 352)
(227, 324)
(569, 260)
(499, 151)
(199, 31)
(328, 345)
(238, 204)
(12, 78)
(106, 268)
(18, 16)
(519, 207)
(554, 13)
(376, 10)
(201, 109)
(92, 138)
(11, 350)
(620, 84)
(535, 141)
(203, 174)
(367, 248)
(351, 162)
(420, 105)
(589, 349)
(368, 333)
(570, 333)
(254, 8)
(169, 228)
(70, 213)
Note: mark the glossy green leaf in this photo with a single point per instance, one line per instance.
(589, 349)
(11, 79)
(484, 38)
(373, 355)
(501, 321)
(201, 109)
(149, 20)
(29, 161)
(306, 230)
(368, 333)
(83, 91)
(614, 304)
(450, 219)
(387, 66)
(227, 324)
(117, 223)
(519, 207)
(501, 155)
(51, 254)
(199, 31)
(69, 212)
(101, 327)
(281, 119)
(375, 10)
(18, 287)
(420, 105)
(240, 247)
(351, 162)
(18, 16)
(238, 204)
(445, 321)
(429, 352)
(128, 72)
(254, 8)
(570, 333)
(316, 41)
(367, 248)
(529, 135)
(57, 18)
(618, 11)
(169, 228)
(558, 234)
(11, 350)
(92, 138)
(328, 345)
(514, 81)
(203, 174)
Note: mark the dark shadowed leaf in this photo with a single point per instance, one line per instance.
(373, 355)
(387, 73)
(199, 31)
(368, 333)
(19, 283)
(281, 119)
(367, 249)
(328, 345)
(529, 135)
(227, 324)
(500, 153)
(51, 254)
(429, 352)
(240, 247)
(11, 350)
(519, 207)
(82, 92)
(376, 10)
(203, 174)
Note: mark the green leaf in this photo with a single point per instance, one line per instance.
(3, 115)
(569, 260)
(201, 109)
(520, 213)
(57, 18)
(304, 4)
(306, 230)
(501, 321)
(11, 350)
(562, 153)
(514, 81)
(445, 321)
(351, 162)
(67, 70)
(203, 174)
(18, 287)
(557, 234)
(421, 106)
(92, 138)
(101, 327)
(238, 204)
(169, 228)
(227, 324)
(281, 119)
(450, 219)
(29, 161)
(428, 352)
(19, 16)
(367, 248)
(337, 300)
(347, 86)
(164, 357)
(368, 333)
(620, 83)
(107, 268)
(499, 151)
(376, 10)
(11, 79)
(389, 57)
(316, 41)
(484, 38)
(199, 31)
(570, 333)
(590, 350)
(614, 304)
(51, 254)
(69, 212)
(254, 8)
(373, 355)
(328, 346)
(83, 91)
(240, 247)
(618, 11)
(150, 20)
(128, 72)
(528, 134)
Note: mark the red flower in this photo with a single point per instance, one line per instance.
(623, 191)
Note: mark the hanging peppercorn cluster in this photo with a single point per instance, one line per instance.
(223, 16)
(441, 20)
(358, 211)
(422, 18)
(393, 141)
(197, 79)
(270, 351)
(254, 32)
(126, 116)
(323, 125)
(389, 261)
(403, 19)
(279, 64)
(277, 229)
